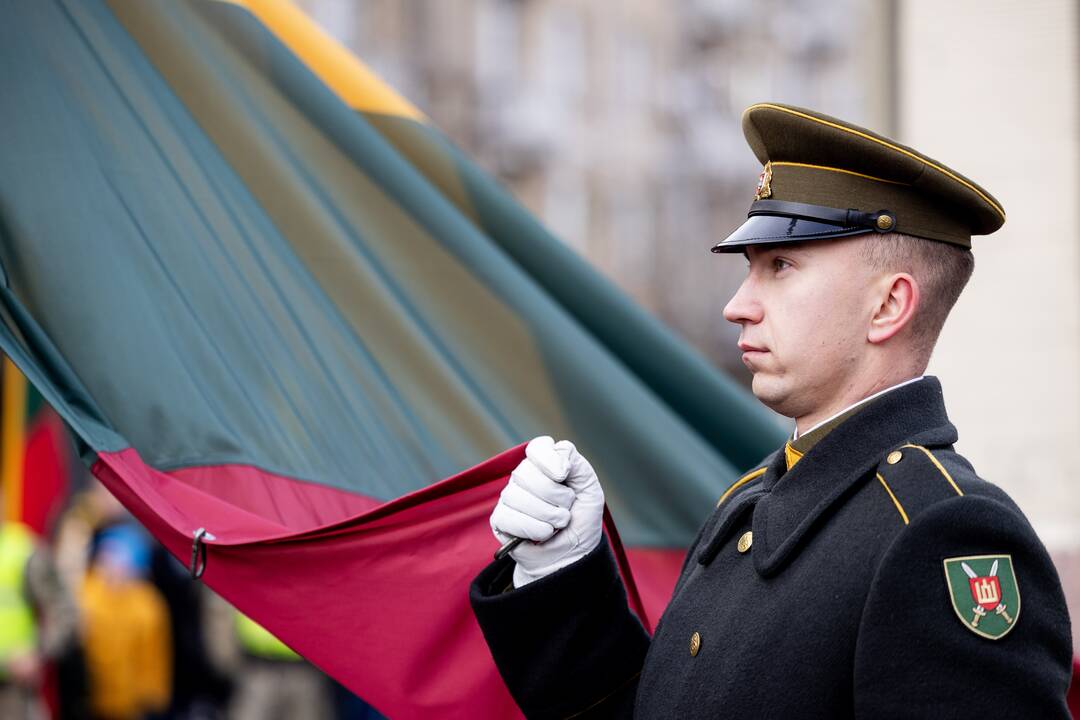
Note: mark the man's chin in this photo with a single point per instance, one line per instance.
(771, 392)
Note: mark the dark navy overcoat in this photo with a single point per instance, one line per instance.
(822, 591)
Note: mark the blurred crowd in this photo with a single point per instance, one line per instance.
(99, 622)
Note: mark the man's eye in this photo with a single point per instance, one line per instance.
(780, 264)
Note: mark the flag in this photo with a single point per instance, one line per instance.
(275, 305)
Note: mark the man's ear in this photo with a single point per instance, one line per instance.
(898, 300)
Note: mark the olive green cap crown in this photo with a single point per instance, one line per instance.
(815, 161)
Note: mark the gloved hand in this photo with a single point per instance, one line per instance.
(553, 499)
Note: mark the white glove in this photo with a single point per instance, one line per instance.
(554, 499)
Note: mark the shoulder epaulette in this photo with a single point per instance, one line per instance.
(741, 483)
(914, 478)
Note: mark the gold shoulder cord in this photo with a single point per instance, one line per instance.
(941, 469)
(742, 481)
(899, 507)
(937, 464)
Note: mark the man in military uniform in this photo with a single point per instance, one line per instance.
(864, 569)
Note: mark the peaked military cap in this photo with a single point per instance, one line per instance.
(826, 178)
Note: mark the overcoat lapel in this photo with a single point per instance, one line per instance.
(793, 502)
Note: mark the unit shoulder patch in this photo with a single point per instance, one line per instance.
(984, 593)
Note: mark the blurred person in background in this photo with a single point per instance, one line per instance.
(89, 512)
(125, 629)
(348, 706)
(273, 682)
(37, 619)
(270, 681)
(200, 689)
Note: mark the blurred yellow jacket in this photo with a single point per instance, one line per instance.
(128, 647)
(18, 628)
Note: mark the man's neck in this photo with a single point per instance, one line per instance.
(808, 423)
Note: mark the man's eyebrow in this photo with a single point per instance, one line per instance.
(796, 245)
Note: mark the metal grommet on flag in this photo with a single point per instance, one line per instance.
(198, 553)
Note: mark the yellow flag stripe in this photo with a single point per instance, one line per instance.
(343, 72)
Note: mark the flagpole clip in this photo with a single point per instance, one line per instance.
(507, 547)
(198, 553)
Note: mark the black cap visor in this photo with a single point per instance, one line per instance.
(784, 222)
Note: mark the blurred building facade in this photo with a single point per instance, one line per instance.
(994, 88)
(619, 125)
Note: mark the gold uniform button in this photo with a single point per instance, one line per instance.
(695, 644)
(894, 457)
(884, 222)
(746, 541)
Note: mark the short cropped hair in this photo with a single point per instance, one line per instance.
(940, 269)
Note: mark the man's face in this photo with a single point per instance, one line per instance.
(804, 309)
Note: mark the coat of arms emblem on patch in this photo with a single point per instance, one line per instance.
(984, 593)
(764, 183)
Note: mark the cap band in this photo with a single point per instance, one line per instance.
(845, 218)
(778, 221)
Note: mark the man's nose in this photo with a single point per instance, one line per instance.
(743, 307)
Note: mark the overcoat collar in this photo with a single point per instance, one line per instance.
(795, 500)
